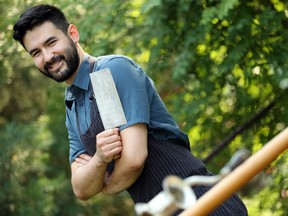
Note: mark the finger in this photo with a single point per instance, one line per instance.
(83, 159)
(81, 162)
(85, 156)
(109, 147)
(108, 155)
(112, 139)
(116, 156)
(110, 132)
(115, 151)
(108, 143)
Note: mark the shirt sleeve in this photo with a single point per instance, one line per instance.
(131, 84)
(76, 148)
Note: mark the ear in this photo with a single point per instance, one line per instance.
(73, 33)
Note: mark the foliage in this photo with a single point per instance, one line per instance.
(216, 63)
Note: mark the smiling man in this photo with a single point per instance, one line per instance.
(151, 145)
(54, 54)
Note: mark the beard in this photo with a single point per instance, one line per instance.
(71, 59)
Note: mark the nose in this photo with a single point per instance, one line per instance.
(47, 55)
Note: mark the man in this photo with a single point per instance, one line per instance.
(136, 156)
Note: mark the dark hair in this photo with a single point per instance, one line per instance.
(36, 16)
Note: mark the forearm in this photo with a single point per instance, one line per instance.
(88, 173)
(88, 180)
(122, 177)
(133, 156)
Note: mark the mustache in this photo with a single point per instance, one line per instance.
(52, 61)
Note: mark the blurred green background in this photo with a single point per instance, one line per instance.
(219, 65)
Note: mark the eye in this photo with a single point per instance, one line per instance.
(35, 54)
(52, 42)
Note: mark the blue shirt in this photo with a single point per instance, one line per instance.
(139, 98)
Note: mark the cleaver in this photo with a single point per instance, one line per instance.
(107, 99)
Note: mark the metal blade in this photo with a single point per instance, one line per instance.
(107, 98)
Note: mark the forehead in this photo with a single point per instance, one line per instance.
(39, 34)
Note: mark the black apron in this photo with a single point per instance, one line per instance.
(164, 158)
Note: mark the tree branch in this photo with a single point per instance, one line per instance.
(241, 128)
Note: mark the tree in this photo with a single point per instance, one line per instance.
(228, 61)
(35, 177)
(216, 63)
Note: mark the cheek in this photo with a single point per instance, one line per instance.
(38, 62)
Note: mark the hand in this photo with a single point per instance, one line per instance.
(82, 159)
(109, 145)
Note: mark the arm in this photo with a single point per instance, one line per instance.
(88, 173)
(130, 165)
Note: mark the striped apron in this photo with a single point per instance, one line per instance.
(164, 158)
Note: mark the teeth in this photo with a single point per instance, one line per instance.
(53, 64)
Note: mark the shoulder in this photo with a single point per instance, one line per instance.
(115, 60)
(124, 69)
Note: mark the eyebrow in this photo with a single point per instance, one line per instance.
(46, 42)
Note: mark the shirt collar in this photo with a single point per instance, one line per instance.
(82, 78)
(81, 81)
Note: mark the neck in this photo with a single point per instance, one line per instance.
(81, 54)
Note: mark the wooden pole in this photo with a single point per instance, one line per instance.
(240, 176)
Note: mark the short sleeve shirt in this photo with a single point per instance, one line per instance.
(139, 98)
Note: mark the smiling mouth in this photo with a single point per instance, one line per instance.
(52, 65)
(55, 66)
